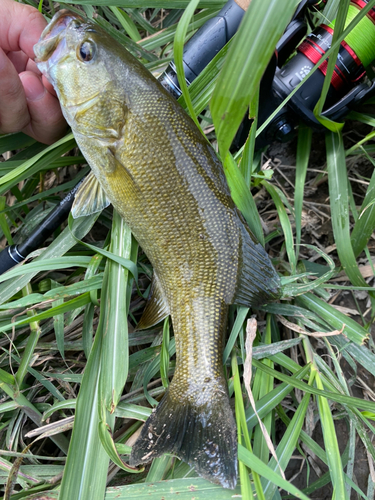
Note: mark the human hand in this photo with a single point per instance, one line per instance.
(28, 102)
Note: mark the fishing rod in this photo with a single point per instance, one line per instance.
(283, 74)
(15, 254)
(204, 45)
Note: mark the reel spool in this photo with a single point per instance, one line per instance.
(356, 52)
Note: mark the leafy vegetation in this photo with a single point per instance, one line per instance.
(74, 372)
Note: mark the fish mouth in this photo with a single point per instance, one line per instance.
(52, 34)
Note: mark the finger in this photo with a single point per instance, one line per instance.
(47, 123)
(14, 114)
(31, 66)
(19, 60)
(20, 27)
(48, 86)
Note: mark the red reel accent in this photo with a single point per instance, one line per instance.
(314, 52)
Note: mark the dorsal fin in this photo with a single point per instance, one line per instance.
(257, 281)
(157, 306)
(90, 198)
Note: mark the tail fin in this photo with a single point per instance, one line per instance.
(203, 436)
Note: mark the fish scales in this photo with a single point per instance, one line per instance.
(151, 162)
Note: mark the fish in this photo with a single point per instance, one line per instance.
(150, 161)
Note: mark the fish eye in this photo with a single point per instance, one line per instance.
(86, 51)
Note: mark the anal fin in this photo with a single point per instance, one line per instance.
(157, 307)
(90, 198)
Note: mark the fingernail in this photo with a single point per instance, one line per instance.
(34, 88)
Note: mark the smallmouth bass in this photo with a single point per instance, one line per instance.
(150, 161)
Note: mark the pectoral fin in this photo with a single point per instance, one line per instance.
(90, 198)
(156, 308)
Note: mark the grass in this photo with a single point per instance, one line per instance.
(69, 349)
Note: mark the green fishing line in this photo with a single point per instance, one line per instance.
(362, 38)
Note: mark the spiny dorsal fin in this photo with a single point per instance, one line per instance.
(257, 281)
(156, 308)
(89, 198)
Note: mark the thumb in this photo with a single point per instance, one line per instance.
(47, 123)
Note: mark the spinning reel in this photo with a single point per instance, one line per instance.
(291, 63)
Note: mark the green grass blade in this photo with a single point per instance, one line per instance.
(242, 430)
(106, 438)
(263, 385)
(158, 468)
(178, 47)
(63, 308)
(10, 142)
(150, 4)
(126, 263)
(254, 463)
(58, 323)
(338, 191)
(240, 318)
(46, 265)
(128, 410)
(87, 327)
(360, 353)
(161, 38)
(115, 354)
(259, 32)
(331, 445)
(113, 328)
(339, 398)
(127, 23)
(339, 26)
(247, 159)
(3, 221)
(364, 225)
(61, 292)
(302, 160)
(69, 404)
(29, 409)
(64, 242)
(285, 224)
(286, 446)
(183, 489)
(201, 89)
(66, 141)
(32, 340)
(336, 319)
(272, 399)
(164, 354)
(139, 20)
(135, 48)
(242, 197)
(85, 473)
